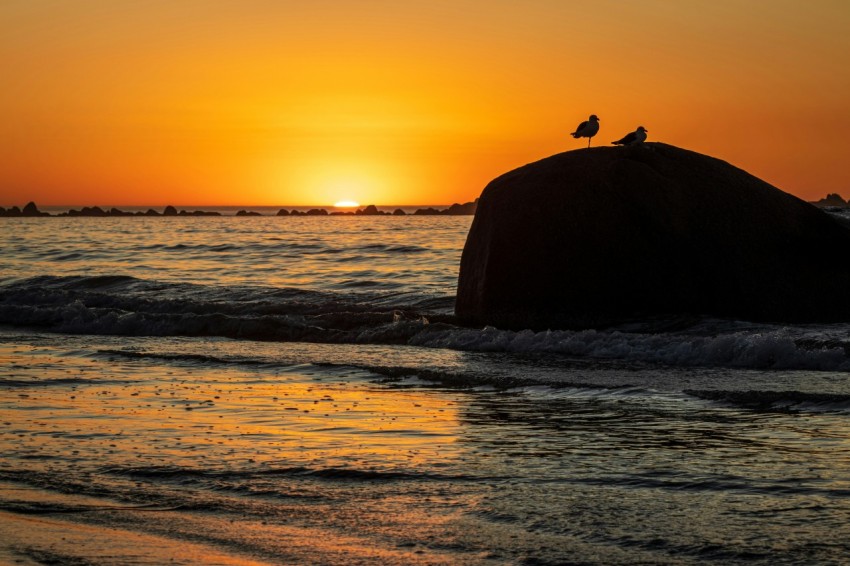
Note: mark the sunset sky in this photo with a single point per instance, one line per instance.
(262, 102)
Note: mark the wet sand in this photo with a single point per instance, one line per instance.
(141, 450)
(30, 540)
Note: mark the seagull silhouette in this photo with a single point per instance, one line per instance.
(638, 136)
(587, 129)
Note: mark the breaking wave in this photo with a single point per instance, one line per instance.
(121, 305)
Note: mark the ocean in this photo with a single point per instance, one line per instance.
(273, 390)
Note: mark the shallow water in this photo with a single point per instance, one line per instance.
(387, 254)
(185, 407)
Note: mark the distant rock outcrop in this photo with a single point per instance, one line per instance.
(832, 200)
(597, 236)
(199, 213)
(454, 210)
(88, 211)
(32, 210)
(370, 210)
(462, 209)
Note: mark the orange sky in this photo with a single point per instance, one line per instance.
(262, 102)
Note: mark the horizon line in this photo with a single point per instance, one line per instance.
(246, 206)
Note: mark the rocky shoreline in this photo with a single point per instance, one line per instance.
(31, 210)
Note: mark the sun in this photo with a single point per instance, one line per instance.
(346, 204)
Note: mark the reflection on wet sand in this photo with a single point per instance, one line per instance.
(185, 416)
(230, 463)
(248, 461)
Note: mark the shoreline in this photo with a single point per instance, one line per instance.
(46, 539)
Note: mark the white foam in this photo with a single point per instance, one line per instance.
(769, 349)
(255, 315)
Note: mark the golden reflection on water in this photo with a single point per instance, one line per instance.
(328, 253)
(491, 475)
(62, 413)
(150, 414)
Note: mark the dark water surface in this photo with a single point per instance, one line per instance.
(212, 391)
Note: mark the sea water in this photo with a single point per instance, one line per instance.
(274, 390)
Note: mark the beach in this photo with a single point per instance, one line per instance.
(294, 390)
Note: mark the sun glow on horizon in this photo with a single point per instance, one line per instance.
(346, 204)
(305, 103)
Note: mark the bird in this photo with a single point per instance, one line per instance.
(587, 129)
(638, 136)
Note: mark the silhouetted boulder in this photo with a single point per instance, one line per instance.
(597, 236)
(14, 211)
(169, 211)
(317, 212)
(90, 211)
(370, 210)
(282, 212)
(32, 210)
(462, 209)
(399, 212)
(456, 209)
(248, 213)
(200, 213)
(152, 212)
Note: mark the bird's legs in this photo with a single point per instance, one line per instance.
(588, 143)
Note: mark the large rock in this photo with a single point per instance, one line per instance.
(598, 236)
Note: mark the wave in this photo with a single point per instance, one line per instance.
(719, 484)
(764, 347)
(60, 382)
(121, 305)
(49, 508)
(771, 401)
(271, 246)
(191, 358)
(537, 384)
(128, 306)
(181, 474)
(394, 248)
